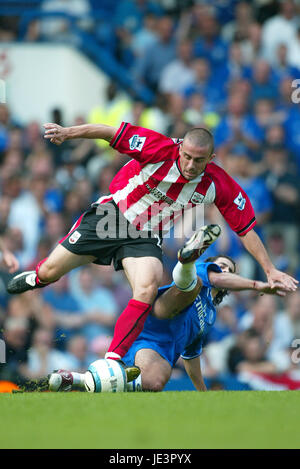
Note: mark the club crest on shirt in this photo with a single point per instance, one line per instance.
(240, 201)
(197, 198)
(74, 237)
(136, 142)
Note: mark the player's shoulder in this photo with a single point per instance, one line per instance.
(203, 269)
(214, 170)
(219, 176)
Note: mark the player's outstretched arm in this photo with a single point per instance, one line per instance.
(58, 134)
(193, 369)
(234, 282)
(254, 246)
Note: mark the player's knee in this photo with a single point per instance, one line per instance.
(154, 385)
(48, 272)
(145, 293)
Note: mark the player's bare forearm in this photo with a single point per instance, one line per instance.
(58, 134)
(101, 131)
(255, 247)
(231, 281)
(193, 369)
(234, 282)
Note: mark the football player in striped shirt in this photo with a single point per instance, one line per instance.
(164, 177)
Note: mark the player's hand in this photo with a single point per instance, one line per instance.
(285, 281)
(265, 288)
(55, 133)
(10, 261)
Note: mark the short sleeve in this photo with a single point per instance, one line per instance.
(233, 203)
(144, 145)
(202, 271)
(193, 350)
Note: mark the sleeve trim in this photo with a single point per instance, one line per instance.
(119, 134)
(190, 358)
(247, 227)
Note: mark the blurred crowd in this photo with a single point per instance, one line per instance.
(231, 66)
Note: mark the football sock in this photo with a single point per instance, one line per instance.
(135, 385)
(185, 276)
(78, 380)
(128, 327)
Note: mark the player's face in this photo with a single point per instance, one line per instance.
(193, 159)
(225, 265)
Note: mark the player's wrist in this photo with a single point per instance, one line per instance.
(69, 133)
(269, 269)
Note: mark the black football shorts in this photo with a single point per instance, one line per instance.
(103, 231)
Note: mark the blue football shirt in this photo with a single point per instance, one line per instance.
(184, 334)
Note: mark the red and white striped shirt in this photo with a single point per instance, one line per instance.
(151, 192)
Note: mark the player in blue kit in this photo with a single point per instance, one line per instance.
(183, 314)
(183, 319)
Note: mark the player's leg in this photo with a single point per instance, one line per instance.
(174, 300)
(59, 262)
(144, 275)
(187, 284)
(155, 370)
(72, 251)
(65, 380)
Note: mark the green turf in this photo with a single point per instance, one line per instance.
(149, 420)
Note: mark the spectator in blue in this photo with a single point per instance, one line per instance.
(128, 20)
(67, 314)
(292, 134)
(179, 73)
(263, 81)
(209, 43)
(237, 126)
(266, 115)
(234, 68)
(283, 184)
(96, 303)
(242, 17)
(147, 69)
(282, 68)
(77, 353)
(255, 187)
(129, 14)
(226, 10)
(146, 36)
(205, 83)
(288, 95)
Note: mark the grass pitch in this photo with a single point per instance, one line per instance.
(167, 420)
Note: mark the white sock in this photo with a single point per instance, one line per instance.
(135, 385)
(78, 380)
(112, 356)
(185, 276)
